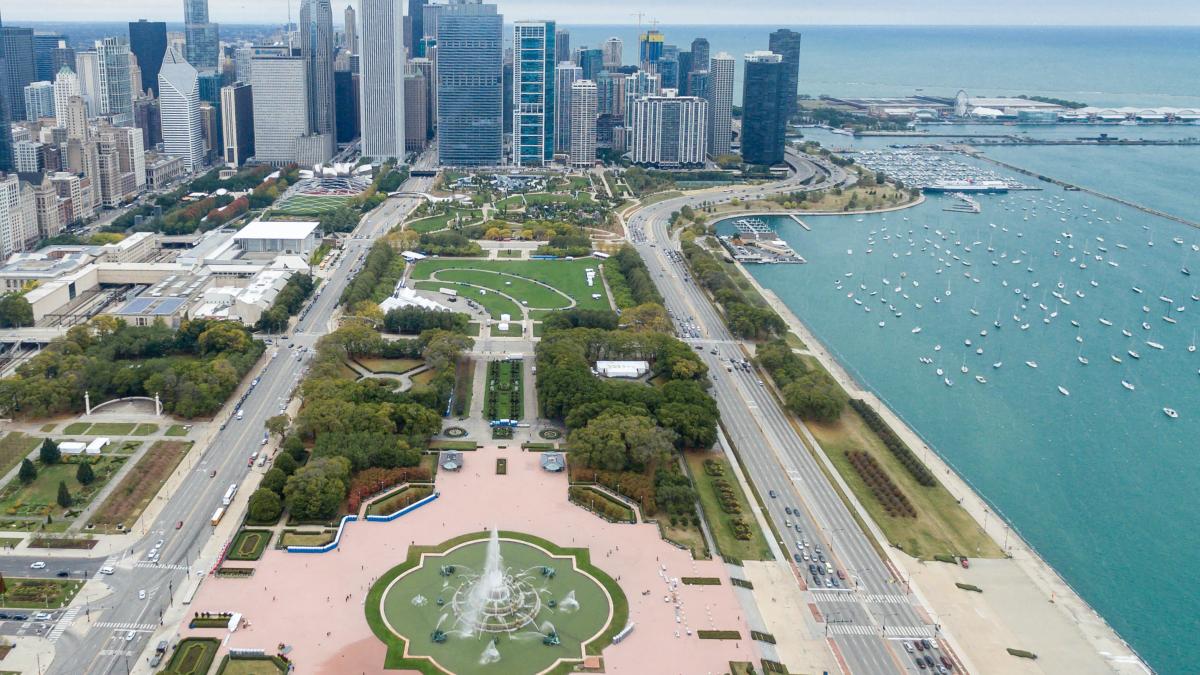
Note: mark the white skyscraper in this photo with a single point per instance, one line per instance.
(613, 48)
(87, 66)
(381, 89)
(39, 101)
(280, 108)
(583, 123)
(179, 107)
(565, 75)
(669, 131)
(115, 94)
(720, 104)
(66, 85)
(18, 216)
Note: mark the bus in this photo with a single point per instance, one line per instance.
(228, 498)
(218, 515)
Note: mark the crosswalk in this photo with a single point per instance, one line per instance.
(857, 598)
(143, 627)
(890, 632)
(64, 622)
(155, 566)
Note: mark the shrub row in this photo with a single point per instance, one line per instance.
(886, 492)
(726, 496)
(599, 505)
(897, 447)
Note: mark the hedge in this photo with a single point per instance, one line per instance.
(897, 447)
(719, 635)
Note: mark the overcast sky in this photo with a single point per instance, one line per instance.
(788, 12)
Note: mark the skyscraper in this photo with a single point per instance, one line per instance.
(316, 47)
(786, 43)
(562, 45)
(583, 123)
(203, 37)
(115, 95)
(280, 106)
(416, 107)
(651, 50)
(565, 75)
(179, 101)
(66, 87)
(351, 20)
(470, 54)
(764, 105)
(237, 123)
(6, 142)
(533, 92)
(669, 131)
(637, 85)
(613, 53)
(720, 104)
(39, 101)
(381, 87)
(22, 71)
(87, 66)
(148, 42)
(416, 34)
(700, 54)
(345, 88)
(45, 46)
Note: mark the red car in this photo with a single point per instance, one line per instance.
(179, 524)
(964, 562)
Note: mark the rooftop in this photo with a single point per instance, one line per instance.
(277, 229)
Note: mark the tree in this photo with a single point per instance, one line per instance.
(275, 479)
(286, 463)
(316, 490)
(28, 472)
(64, 495)
(50, 454)
(84, 474)
(278, 425)
(265, 506)
(815, 396)
(647, 317)
(614, 442)
(15, 311)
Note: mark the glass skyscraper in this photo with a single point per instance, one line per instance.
(470, 54)
(786, 43)
(764, 108)
(148, 42)
(533, 92)
(203, 40)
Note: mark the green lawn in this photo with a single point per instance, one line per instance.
(126, 447)
(47, 428)
(422, 379)
(306, 539)
(77, 428)
(14, 447)
(193, 656)
(39, 593)
(443, 220)
(754, 548)
(39, 498)
(503, 394)
(540, 198)
(567, 276)
(113, 429)
(494, 305)
(529, 293)
(177, 430)
(514, 330)
(249, 545)
(145, 430)
(249, 667)
(396, 366)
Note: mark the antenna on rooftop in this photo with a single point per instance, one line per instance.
(639, 16)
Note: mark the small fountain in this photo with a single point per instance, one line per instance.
(490, 654)
(419, 600)
(569, 603)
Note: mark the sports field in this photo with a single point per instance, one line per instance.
(537, 284)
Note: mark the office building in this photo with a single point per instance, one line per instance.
(700, 54)
(202, 37)
(562, 45)
(18, 216)
(316, 47)
(351, 21)
(6, 140)
(381, 86)
(179, 109)
(651, 50)
(669, 131)
(668, 71)
(765, 108)
(613, 53)
(87, 67)
(237, 123)
(533, 92)
(345, 90)
(27, 156)
(45, 54)
(416, 107)
(428, 71)
(72, 117)
(115, 89)
(720, 104)
(148, 42)
(583, 124)
(39, 101)
(280, 104)
(565, 75)
(786, 43)
(591, 61)
(122, 164)
(416, 27)
(684, 59)
(697, 84)
(506, 79)
(148, 118)
(21, 68)
(470, 106)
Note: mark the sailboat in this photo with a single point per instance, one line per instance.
(1171, 413)
(1192, 346)
(1128, 385)
(1063, 391)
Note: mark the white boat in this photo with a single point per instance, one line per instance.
(1171, 413)
(1063, 391)
(940, 372)
(1031, 364)
(1115, 358)
(916, 330)
(1106, 322)
(937, 348)
(1154, 345)
(997, 364)
(948, 382)
(1126, 333)
(882, 324)
(1134, 354)
(1083, 360)
(1145, 326)
(1128, 385)
(1137, 290)
(1169, 319)
(980, 379)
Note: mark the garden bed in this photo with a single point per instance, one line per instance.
(22, 593)
(64, 542)
(402, 498)
(209, 620)
(126, 503)
(249, 545)
(193, 656)
(601, 504)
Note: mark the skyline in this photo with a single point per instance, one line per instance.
(1152, 13)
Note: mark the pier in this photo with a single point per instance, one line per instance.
(799, 222)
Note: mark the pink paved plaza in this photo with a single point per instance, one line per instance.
(314, 602)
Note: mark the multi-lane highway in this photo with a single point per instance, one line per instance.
(869, 616)
(122, 621)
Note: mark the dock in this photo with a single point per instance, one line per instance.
(799, 222)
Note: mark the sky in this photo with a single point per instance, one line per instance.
(681, 12)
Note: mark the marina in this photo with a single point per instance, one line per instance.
(936, 171)
(754, 241)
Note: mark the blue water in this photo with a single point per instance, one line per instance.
(1102, 482)
(1100, 66)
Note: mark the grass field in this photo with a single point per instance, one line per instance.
(756, 547)
(112, 429)
(529, 293)
(249, 667)
(306, 539)
(514, 330)
(442, 221)
(39, 593)
(14, 447)
(47, 428)
(494, 305)
(942, 526)
(540, 198)
(567, 276)
(40, 497)
(396, 366)
(193, 656)
(422, 379)
(177, 430)
(308, 205)
(249, 545)
(145, 430)
(399, 500)
(503, 393)
(77, 428)
(126, 447)
(139, 486)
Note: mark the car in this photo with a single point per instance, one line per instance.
(806, 556)
(787, 524)
(178, 524)
(828, 583)
(926, 643)
(62, 574)
(212, 474)
(929, 660)
(18, 617)
(107, 569)
(156, 660)
(162, 646)
(39, 565)
(908, 647)
(141, 595)
(130, 635)
(920, 647)
(254, 383)
(264, 440)
(946, 662)
(772, 493)
(3, 615)
(42, 616)
(820, 556)
(797, 557)
(798, 530)
(787, 510)
(964, 562)
(920, 664)
(159, 543)
(836, 583)
(841, 575)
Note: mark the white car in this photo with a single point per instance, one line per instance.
(39, 565)
(141, 595)
(130, 635)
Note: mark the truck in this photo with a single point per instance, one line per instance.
(218, 515)
(228, 498)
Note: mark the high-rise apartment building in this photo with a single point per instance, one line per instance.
(720, 104)
(583, 123)
(39, 101)
(381, 87)
(237, 123)
(565, 75)
(351, 21)
(179, 109)
(637, 85)
(430, 74)
(650, 49)
(533, 92)
(669, 131)
(18, 216)
(786, 43)
(27, 156)
(202, 36)
(700, 54)
(765, 108)
(148, 42)
(70, 108)
(562, 45)
(115, 89)
(613, 52)
(470, 106)
(280, 106)
(20, 65)
(316, 47)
